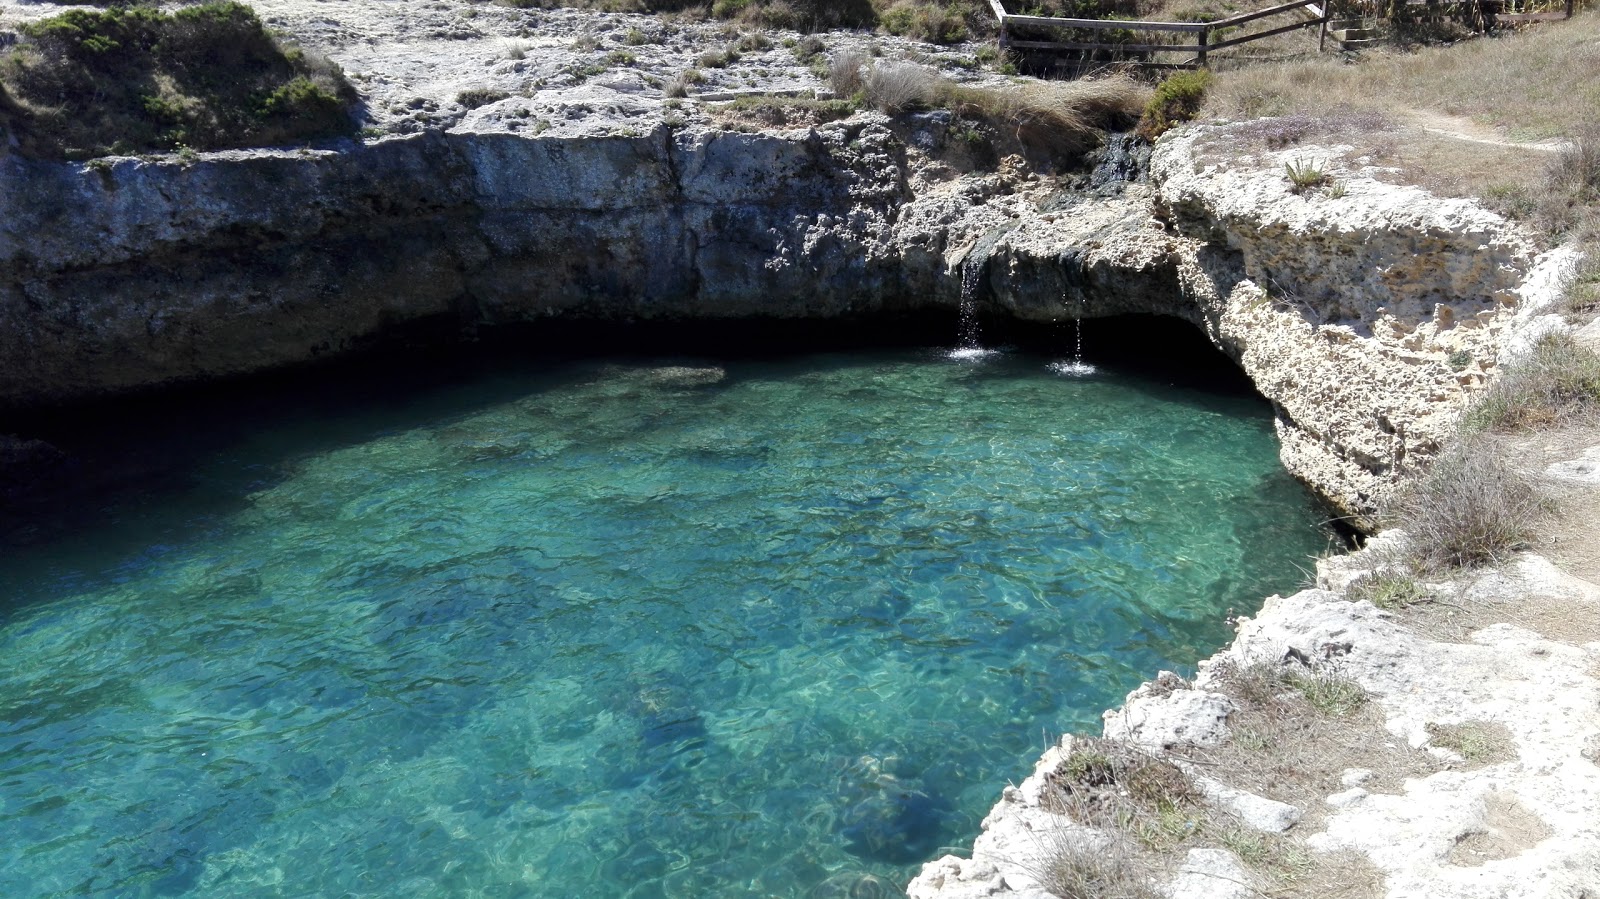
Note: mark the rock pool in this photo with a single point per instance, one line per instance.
(624, 627)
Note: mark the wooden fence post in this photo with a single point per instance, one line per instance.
(1204, 39)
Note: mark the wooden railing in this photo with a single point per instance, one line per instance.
(1310, 11)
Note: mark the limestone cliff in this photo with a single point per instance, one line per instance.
(1366, 319)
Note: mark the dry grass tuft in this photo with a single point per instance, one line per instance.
(1072, 868)
(1558, 380)
(1389, 589)
(1055, 116)
(844, 72)
(1113, 785)
(1478, 742)
(1473, 508)
(896, 87)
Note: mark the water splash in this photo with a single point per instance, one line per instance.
(1074, 369)
(1077, 368)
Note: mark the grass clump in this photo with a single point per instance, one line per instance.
(1558, 379)
(895, 87)
(1073, 868)
(1176, 99)
(788, 111)
(1389, 589)
(845, 72)
(1477, 742)
(1305, 175)
(134, 79)
(1583, 294)
(1057, 118)
(480, 96)
(1112, 785)
(1327, 691)
(934, 23)
(678, 87)
(1473, 508)
(1319, 687)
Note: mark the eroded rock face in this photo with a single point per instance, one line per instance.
(1367, 319)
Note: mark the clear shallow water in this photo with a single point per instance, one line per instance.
(619, 629)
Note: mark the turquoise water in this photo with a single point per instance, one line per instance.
(763, 628)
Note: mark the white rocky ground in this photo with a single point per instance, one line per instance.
(1512, 651)
(411, 60)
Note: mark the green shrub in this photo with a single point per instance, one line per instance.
(135, 79)
(925, 21)
(1177, 99)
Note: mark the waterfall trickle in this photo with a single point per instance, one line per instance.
(1077, 367)
(968, 347)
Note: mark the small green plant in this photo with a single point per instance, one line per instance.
(1305, 175)
(619, 58)
(1327, 691)
(678, 87)
(1458, 360)
(1282, 858)
(635, 38)
(1335, 190)
(808, 48)
(1177, 99)
(1583, 294)
(970, 136)
(1253, 740)
(718, 59)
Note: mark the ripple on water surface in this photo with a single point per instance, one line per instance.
(778, 628)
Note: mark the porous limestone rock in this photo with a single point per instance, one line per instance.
(1168, 712)
(1258, 812)
(1583, 470)
(1212, 874)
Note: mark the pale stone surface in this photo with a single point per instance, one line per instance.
(1347, 797)
(1589, 335)
(1258, 812)
(1212, 874)
(1584, 470)
(1355, 777)
(1164, 718)
(1368, 319)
